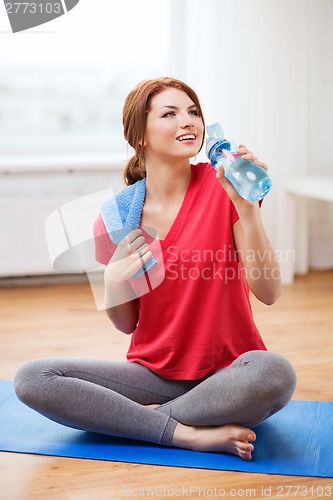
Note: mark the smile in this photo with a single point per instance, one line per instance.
(187, 137)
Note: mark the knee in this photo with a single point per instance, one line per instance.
(280, 378)
(277, 376)
(28, 381)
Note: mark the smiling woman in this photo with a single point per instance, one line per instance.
(198, 373)
(172, 107)
(191, 111)
(184, 124)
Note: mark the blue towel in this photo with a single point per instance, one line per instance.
(121, 213)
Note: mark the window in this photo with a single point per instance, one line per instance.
(63, 84)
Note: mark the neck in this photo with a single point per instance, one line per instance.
(165, 181)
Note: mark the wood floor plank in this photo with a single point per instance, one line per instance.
(62, 320)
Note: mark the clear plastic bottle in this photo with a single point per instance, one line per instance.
(249, 180)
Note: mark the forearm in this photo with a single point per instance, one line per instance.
(124, 317)
(257, 255)
(121, 306)
(120, 299)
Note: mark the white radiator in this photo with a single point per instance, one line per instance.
(28, 198)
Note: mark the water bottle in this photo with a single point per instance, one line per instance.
(249, 180)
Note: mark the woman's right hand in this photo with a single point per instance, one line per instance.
(130, 255)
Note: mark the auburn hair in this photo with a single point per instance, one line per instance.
(136, 108)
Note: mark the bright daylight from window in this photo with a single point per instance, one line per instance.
(66, 91)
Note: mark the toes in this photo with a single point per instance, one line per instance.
(251, 436)
(243, 434)
(245, 450)
(254, 437)
(245, 446)
(245, 455)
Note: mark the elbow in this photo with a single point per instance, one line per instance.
(125, 329)
(118, 322)
(270, 297)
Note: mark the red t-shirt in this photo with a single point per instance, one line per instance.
(199, 318)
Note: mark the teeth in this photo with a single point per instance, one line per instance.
(186, 137)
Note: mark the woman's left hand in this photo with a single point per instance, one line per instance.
(246, 154)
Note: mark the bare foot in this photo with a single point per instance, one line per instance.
(229, 438)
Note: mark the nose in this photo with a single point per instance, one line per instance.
(187, 121)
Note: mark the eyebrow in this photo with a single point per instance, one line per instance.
(175, 107)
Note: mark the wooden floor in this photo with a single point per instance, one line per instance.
(62, 320)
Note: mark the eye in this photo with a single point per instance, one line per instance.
(194, 112)
(169, 113)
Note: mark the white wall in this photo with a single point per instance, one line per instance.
(29, 194)
(320, 127)
(62, 88)
(264, 69)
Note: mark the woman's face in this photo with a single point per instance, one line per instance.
(174, 128)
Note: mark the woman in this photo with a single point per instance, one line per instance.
(197, 374)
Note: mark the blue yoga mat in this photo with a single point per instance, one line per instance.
(296, 441)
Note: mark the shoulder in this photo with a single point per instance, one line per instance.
(104, 247)
(209, 188)
(203, 169)
(119, 204)
(99, 226)
(129, 191)
(124, 197)
(121, 212)
(204, 173)
(204, 177)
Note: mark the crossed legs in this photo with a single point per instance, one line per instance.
(121, 398)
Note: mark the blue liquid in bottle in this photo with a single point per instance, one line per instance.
(249, 180)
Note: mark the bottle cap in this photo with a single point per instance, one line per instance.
(215, 135)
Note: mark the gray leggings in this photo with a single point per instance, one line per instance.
(108, 397)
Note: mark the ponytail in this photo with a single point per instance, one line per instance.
(134, 170)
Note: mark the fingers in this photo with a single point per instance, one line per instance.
(136, 242)
(133, 235)
(144, 257)
(248, 155)
(232, 193)
(137, 261)
(131, 255)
